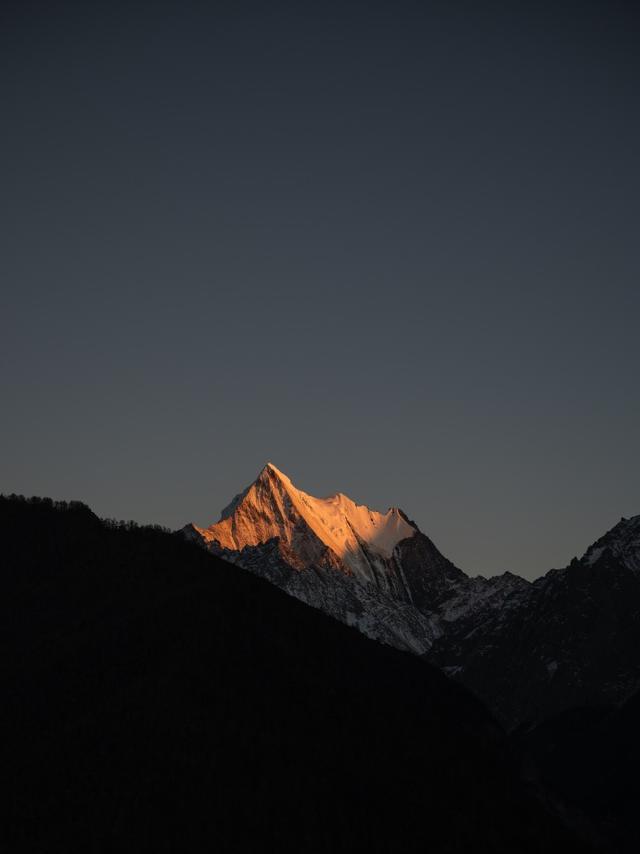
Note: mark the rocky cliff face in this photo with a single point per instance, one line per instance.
(528, 650)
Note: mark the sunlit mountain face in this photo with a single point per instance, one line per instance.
(527, 649)
(347, 535)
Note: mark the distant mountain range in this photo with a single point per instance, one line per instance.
(528, 650)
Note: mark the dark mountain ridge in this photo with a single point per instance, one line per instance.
(158, 699)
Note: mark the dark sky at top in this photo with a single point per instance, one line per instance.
(392, 247)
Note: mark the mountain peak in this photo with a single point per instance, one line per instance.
(272, 507)
(271, 475)
(270, 469)
(268, 474)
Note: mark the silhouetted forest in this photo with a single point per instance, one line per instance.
(158, 699)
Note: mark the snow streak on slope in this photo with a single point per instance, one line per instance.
(375, 613)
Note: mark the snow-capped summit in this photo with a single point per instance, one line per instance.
(365, 568)
(336, 530)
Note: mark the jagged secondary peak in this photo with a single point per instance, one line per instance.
(622, 542)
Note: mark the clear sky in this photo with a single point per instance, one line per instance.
(392, 247)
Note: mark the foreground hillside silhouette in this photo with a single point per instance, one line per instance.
(158, 699)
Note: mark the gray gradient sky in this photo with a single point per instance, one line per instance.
(392, 247)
